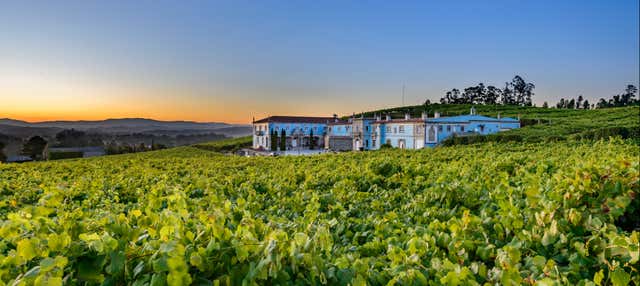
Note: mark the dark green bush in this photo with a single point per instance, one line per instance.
(64, 155)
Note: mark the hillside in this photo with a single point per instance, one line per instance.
(556, 124)
(136, 125)
(508, 213)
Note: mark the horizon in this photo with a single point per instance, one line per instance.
(233, 61)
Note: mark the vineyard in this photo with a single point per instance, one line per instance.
(508, 214)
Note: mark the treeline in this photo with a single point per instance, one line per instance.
(77, 138)
(627, 98)
(113, 148)
(516, 92)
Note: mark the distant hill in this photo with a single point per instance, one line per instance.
(134, 125)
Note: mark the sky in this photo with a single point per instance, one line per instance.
(231, 61)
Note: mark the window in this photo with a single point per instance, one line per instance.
(401, 129)
(481, 128)
(373, 142)
(440, 128)
(367, 128)
(395, 130)
(448, 128)
(366, 143)
(388, 129)
(329, 128)
(462, 128)
(432, 134)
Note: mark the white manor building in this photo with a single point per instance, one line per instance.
(371, 133)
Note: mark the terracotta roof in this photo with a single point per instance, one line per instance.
(295, 119)
(339, 123)
(400, 120)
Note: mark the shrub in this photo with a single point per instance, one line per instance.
(64, 155)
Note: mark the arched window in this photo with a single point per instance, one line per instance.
(431, 136)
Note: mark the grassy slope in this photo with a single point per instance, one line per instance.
(227, 145)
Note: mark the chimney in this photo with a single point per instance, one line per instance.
(473, 111)
(425, 115)
(407, 116)
(388, 117)
(436, 114)
(499, 115)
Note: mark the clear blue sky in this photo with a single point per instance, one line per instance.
(231, 60)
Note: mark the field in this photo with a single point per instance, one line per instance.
(508, 213)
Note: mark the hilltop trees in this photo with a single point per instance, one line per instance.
(516, 92)
(625, 99)
(34, 148)
(579, 103)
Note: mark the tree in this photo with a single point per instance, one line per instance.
(312, 141)
(602, 103)
(34, 147)
(579, 102)
(507, 95)
(545, 105)
(3, 158)
(493, 95)
(561, 104)
(519, 86)
(451, 97)
(571, 104)
(629, 94)
(274, 140)
(283, 140)
(522, 91)
(585, 104)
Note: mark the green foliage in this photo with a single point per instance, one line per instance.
(466, 215)
(227, 145)
(3, 157)
(64, 155)
(283, 140)
(34, 147)
(385, 146)
(274, 140)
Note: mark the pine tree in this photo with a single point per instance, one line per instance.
(283, 140)
(274, 140)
